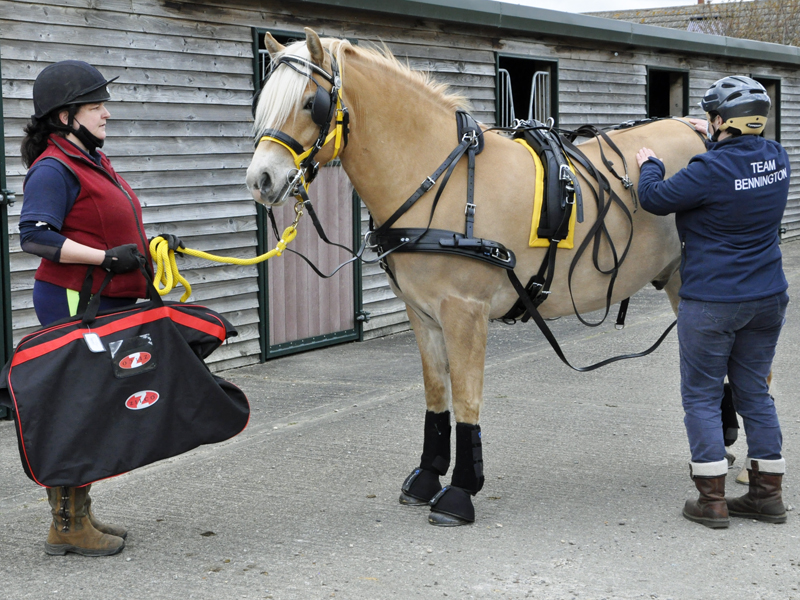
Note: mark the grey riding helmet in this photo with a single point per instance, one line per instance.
(742, 103)
(68, 83)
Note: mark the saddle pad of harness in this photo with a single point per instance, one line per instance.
(538, 202)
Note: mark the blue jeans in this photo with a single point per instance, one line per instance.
(736, 339)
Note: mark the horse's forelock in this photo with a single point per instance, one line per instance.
(281, 92)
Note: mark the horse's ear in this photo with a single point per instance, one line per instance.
(273, 47)
(314, 46)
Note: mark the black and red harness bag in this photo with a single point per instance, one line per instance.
(100, 395)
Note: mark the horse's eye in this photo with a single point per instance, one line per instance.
(309, 104)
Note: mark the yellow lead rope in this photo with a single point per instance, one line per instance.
(167, 275)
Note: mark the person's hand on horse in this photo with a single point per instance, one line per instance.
(122, 259)
(643, 155)
(700, 125)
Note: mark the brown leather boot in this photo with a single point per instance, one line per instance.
(710, 508)
(764, 499)
(117, 530)
(71, 530)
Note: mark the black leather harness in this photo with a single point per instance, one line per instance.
(563, 194)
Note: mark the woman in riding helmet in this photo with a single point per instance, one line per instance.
(728, 205)
(77, 214)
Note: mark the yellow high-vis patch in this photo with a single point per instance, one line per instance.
(535, 241)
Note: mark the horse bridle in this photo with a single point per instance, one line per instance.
(324, 105)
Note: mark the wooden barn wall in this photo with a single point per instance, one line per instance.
(180, 132)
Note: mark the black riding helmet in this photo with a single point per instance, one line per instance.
(742, 103)
(68, 83)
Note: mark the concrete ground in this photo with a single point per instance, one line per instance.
(586, 475)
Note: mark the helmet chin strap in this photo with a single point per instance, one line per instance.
(713, 136)
(87, 139)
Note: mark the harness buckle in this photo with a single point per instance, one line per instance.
(469, 209)
(626, 182)
(470, 136)
(564, 173)
(503, 256)
(368, 243)
(427, 184)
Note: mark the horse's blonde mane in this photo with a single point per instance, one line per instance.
(384, 57)
(285, 86)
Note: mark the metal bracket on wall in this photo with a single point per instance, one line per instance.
(7, 198)
(363, 315)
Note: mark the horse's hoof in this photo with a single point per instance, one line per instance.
(419, 487)
(407, 500)
(743, 477)
(443, 520)
(452, 506)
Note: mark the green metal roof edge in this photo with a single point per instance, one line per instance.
(527, 19)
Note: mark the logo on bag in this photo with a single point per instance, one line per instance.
(137, 359)
(143, 399)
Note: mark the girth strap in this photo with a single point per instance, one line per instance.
(442, 241)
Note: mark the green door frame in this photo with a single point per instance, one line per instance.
(262, 222)
(6, 198)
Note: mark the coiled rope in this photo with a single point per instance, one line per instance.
(167, 274)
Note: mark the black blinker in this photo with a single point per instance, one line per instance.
(321, 107)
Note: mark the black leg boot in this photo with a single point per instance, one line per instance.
(423, 482)
(453, 505)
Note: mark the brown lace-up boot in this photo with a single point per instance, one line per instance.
(71, 530)
(710, 508)
(117, 530)
(764, 499)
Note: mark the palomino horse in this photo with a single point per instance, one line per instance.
(402, 126)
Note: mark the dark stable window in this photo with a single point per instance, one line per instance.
(527, 88)
(262, 56)
(667, 93)
(773, 129)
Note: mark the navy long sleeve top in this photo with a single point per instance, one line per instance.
(728, 205)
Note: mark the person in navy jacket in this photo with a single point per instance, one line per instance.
(728, 204)
(77, 213)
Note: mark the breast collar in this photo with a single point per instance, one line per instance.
(305, 168)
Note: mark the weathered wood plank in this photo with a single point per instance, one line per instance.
(19, 70)
(123, 92)
(22, 108)
(51, 31)
(116, 21)
(112, 61)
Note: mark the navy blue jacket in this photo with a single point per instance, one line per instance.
(728, 205)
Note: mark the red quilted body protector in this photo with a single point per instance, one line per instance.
(106, 214)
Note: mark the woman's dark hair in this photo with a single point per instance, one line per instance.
(37, 132)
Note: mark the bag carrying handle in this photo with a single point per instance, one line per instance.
(90, 308)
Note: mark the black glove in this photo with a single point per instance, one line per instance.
(173, 241)
(122, 259)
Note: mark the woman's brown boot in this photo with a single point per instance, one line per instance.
(710, 508)
(764, 499)
(117, 530)
(71, 529)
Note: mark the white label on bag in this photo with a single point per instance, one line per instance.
(94, 342)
